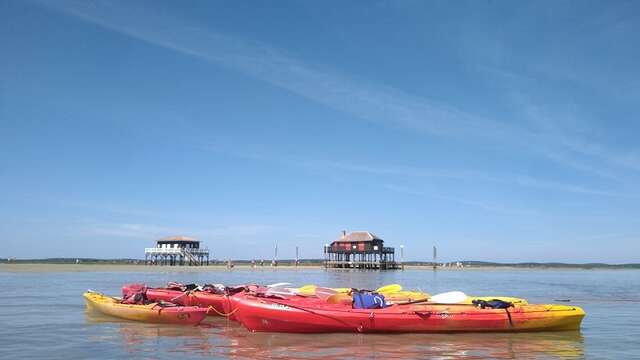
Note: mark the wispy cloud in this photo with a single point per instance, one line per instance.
(563, 187)
(146, 231)
(359, 98)
(367, 101)
(331, 167)
(405, 171)
(126, 230)
(477, 204)
(550, 135)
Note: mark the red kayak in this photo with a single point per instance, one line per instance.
(215, 303)
(308, 315)
(231, 303)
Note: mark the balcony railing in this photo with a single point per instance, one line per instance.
(362, 264)
(385, 250)
(178, 251)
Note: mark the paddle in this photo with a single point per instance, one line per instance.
(283, 289)
(392, 288)
(279, 285)
(451, 297)
(448, 298)
(279, 289)
(310, 289)
(325, 293)
(306, 290)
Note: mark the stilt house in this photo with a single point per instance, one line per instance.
(359, 250)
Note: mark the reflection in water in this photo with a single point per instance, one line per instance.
(218, 337)
(503, 346)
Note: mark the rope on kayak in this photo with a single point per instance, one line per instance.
(221, 313)
(186, 292)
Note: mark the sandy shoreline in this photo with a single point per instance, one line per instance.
(12, 268)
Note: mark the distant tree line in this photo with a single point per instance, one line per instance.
(319, 262)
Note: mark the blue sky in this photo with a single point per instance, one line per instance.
(494, 130)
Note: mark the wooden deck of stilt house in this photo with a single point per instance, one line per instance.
(177, 250)
(359, 250)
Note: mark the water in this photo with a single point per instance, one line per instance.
(43, 316)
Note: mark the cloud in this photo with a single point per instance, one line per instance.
(561, 136)
(558, 186)
(129, 230)
(406, 171)
(359, 98)
(464, 201)
(144, 231)
(332, 167)
(367, 101)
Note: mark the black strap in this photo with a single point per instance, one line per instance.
(509, 316)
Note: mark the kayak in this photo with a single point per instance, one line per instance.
(168, 295)
(296, 316)
(154, 312)
(213, 303)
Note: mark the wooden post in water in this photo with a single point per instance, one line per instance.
(275, 256)
(297, 259)
(435, 258)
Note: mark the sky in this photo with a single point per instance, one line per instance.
(494, 130)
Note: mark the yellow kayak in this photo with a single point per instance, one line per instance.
(154, 312)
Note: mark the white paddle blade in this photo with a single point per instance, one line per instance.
(324, 293)
(278, 285)
(280, 291)
(451, 297)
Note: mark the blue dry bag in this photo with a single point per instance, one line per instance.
(367, 300)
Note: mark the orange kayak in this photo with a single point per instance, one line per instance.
(155, 313)
(288, 315)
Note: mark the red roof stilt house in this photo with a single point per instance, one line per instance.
(359, 250)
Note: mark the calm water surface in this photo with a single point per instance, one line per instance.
(43, 316)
